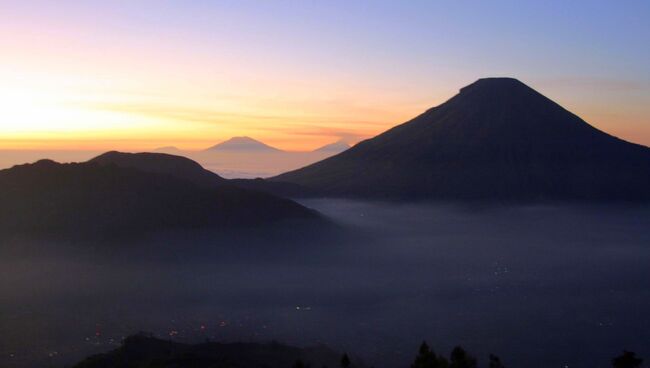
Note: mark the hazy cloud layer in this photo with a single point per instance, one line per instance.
(540, 286)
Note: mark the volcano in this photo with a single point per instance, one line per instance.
(497, 139)
(242, 144)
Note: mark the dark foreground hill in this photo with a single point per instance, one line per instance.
(142, 351)
(498, 139)
(282, 189)
(48, 198)
(186, 169)
(161, 163)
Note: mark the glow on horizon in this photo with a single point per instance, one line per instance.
(94, 75)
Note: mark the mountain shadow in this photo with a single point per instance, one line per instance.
(498, 139)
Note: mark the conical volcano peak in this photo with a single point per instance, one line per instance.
(243, 139)
(508, 102)
(496, 85)
(243, 143)
(497, 139)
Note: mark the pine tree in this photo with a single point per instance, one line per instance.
(495, 362)
(460, 359)
(426, 358)
(345, 361)
(627, 360)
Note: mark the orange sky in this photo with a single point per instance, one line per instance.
(75, 108)
(71, 109)
(132, 77)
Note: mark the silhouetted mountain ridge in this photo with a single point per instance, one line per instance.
(185, 169)
(498, 139)
(161, 163)
(100, 200)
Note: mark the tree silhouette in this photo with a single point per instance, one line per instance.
(627, 360)
(345, 361)
(495, 362)
(460, 359)
(299, 364)
(426, 358)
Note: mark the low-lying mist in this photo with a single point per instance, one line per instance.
(539, 286)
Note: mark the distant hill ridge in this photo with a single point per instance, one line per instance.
(161, 163)
(498, 139)
(125, 194)
(185, 169)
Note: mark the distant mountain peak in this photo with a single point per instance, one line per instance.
(167, 149)
(242, 144)
(336, 147)
(496, 85)
(243, 139)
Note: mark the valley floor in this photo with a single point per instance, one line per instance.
(538, 286)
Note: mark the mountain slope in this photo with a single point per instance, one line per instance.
(243, 144)
(497, 139)
(89, 199)
(336, 147)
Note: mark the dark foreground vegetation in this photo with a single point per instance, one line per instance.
(142, 350)
(146, 351)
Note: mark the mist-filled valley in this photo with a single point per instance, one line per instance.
(539, 286)
(324, 184)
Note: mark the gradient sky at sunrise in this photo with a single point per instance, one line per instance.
(135, 75)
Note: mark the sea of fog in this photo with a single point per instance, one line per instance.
(541, 286)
